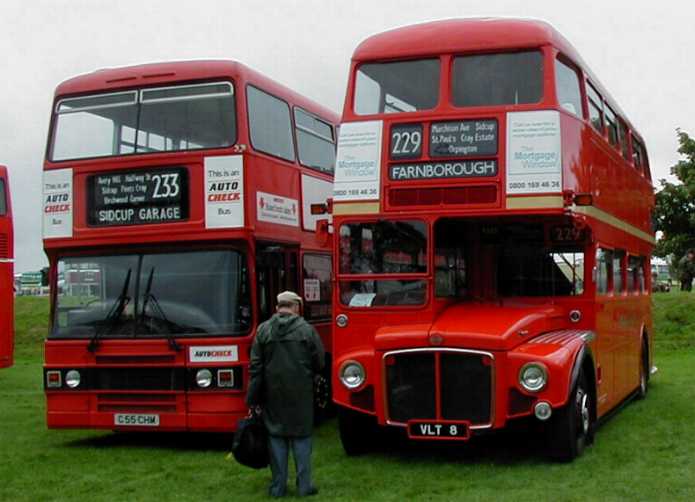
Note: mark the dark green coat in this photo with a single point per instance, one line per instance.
(286, 355)
(687, 269)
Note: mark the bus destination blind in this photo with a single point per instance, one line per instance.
(139, 197)
(463, 138)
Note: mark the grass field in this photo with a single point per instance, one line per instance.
(645, 452)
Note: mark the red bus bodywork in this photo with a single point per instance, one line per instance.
(6, 273)
(415, 352)
(151, 381)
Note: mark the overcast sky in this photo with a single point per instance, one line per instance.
(641, 51)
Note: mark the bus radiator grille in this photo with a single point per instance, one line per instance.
(463, 386)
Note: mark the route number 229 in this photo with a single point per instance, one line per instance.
(406, 141)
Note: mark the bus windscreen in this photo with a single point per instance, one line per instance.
(497, 79)
(163, 119)
(153, 295)
(397, 87)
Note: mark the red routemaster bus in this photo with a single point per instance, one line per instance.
(492, 221)
(176, 207)
(6, 273)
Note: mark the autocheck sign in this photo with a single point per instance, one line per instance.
(214, 354)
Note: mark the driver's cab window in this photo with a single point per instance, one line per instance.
(450, 259)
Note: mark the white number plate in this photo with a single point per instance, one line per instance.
(136, 419)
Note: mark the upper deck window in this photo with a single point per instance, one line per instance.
(164, 119)
(3, 198)
(497, 79)
(269, 123)
(637, 153)
(611, 126)
(623, 136)
(595, 108)
(315, 141)
(569, 96)
(398, 87)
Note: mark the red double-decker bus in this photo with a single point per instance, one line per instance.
(6, 273)
(176, 207)
(492, 218)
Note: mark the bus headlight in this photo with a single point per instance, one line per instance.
(203, 378)
(352, 374)
(72, 378)
(533, 377)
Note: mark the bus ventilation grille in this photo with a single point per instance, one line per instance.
(463, 387)
(4, 248)
(485, 194)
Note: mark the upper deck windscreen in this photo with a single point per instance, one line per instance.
(497, 79)
(403, 86)
(164, 119)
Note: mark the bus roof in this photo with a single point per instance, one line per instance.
(461, 35)
(452, 36)
(166, 73)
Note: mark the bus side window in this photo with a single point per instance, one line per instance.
(317, 287)
(638, 157)
(604, 270)
(315, 142)
(618, 263)
(3, 198)
(611, 126)
(569, 95)
(624, 139)
(641, 276)
(595, 108)
(269, 123)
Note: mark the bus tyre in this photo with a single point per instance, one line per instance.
(358, 432)
(323, 400)
(571, 429)
(643, 372)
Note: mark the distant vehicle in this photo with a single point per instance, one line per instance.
(6, 273)
(492, 218)
(177, 206)
(661, 276)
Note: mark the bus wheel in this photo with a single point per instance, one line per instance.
(323, 401)
(643, 372)
(358, 431)
(571, 429)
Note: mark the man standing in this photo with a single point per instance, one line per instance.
(286, 355)
(687, 270)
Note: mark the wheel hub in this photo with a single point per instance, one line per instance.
(584, 412)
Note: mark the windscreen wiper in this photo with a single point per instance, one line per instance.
(114, 314)
(150, 298)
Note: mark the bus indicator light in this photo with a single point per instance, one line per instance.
(583, 199)
(53, 379)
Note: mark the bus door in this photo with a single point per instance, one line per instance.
(276, 271)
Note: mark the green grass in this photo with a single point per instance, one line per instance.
(645, 452)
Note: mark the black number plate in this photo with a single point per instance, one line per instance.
(138, 197)
(438, 430)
